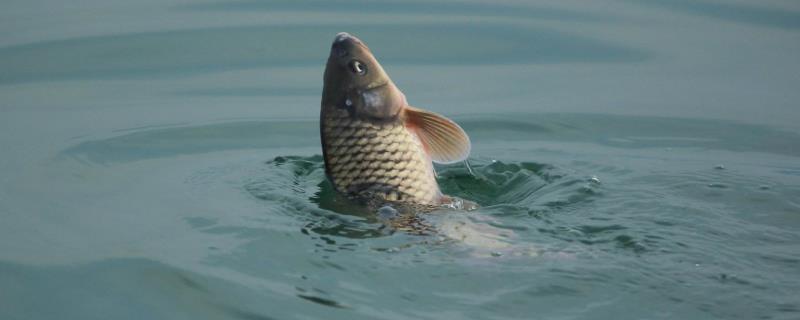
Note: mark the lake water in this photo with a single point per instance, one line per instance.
(633, 160)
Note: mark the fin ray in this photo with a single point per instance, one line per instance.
(443, 139)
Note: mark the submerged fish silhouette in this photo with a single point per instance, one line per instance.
(376, 147)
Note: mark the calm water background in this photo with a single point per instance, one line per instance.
(160, 160)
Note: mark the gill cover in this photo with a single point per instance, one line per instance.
(383, 102)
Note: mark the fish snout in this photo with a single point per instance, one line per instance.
(344, 37)
(341, 36)
(344, 43)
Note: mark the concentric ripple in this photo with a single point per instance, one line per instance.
(570, 212)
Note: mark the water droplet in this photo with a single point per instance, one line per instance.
(387, 212)
(719, 167)
(497, 254)
(764, 187)
(455, 204)
(594, 179)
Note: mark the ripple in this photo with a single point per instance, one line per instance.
(151, 143)
(187, 140)
(299, 184)
(410, 8)
(175, 53)
(322, 301)
(495, 182)
(741, 13)
(502, 229)
(650, 227)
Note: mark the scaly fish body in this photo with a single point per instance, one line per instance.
(386, 161)
(376, 147)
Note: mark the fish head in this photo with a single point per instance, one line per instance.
(356, 82)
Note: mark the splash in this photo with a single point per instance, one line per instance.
(500, 190)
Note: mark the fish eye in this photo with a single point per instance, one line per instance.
(358, 67)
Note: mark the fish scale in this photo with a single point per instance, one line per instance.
(366, 159)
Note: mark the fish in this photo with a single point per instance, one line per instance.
(376, 147)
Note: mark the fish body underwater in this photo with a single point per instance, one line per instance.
(376, 147)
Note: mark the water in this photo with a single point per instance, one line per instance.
(633, 159)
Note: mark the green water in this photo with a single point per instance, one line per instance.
(632, 160)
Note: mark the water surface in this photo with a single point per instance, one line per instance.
(634, 159)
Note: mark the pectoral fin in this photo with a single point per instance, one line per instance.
(442, 138)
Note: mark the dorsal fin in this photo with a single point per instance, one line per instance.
(442, 138)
